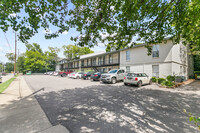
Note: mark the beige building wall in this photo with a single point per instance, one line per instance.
(171, 58)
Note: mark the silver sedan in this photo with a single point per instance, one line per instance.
(138, 79)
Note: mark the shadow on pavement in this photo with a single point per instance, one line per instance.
(121, 109)
(194, 86)
(22, 116)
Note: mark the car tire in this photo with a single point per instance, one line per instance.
(78, 77)
(93, 79)
(64, 75)
(125, 84)
(139, 84)
(150, 82)
(113, 80)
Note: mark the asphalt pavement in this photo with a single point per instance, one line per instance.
(83, 106)
(21, 113)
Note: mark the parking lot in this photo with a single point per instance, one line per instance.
(86, 106)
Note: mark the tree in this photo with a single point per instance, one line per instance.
(9, 67)
(34, 58)
(20, 63)
(74, 52)
(10, 56)
(1, 67)
(111, 21)
(196, 62)
(51, 58)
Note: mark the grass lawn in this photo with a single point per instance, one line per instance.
(5, 85)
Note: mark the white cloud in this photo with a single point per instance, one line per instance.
(65, 32)
(105, 35)
(101, 44)
(112, 8)
(13, 15)
(1, 49)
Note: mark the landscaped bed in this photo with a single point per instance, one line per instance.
(170, 82)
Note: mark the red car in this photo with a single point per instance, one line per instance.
(64, 74)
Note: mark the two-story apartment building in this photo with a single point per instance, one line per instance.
(166, 59)
(102, 61)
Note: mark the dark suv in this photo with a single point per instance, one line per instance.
(96, 76)
(87, 75)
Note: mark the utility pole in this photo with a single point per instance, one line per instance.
(15, 52)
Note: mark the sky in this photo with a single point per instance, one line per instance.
(63, 39)
(39, 38)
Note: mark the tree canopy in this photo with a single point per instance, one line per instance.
(111, 21)
(10, 56)
(74, 52)
(36, 60)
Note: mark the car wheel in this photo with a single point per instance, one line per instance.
(78, 77)
(64, 75)
(139, 84)
(150, 82)
(125, 84)
(113, 80)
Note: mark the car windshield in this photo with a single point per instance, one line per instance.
(112, 71)
(97, 73)
(132, 75)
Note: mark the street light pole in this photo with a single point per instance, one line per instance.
(15, 52)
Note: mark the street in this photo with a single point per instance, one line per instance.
(85, 106)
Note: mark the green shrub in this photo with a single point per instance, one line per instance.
(169, 83)
(163, 83)
(196, 72)
(160, 80)
(154, 79)
(171, 78)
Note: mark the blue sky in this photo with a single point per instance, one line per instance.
(63, 39)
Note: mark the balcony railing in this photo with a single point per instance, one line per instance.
(97, 63)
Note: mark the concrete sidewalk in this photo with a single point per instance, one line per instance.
(21, 113)
(7, 77)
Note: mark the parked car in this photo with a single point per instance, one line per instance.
(51, 73)
(0, 79)
(138, 79)
(96, 76)
(56, 73)
(3, 74)
(28, 73)
(87, 75)
(113, 76)
(77, 75)
(64, 74)
(71, 74)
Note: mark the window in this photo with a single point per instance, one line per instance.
(110, 59)
(128, 55)
(144, 75)
(127, 69)
(155, 51)
(82, 63)
(113, 71)
(155, 71)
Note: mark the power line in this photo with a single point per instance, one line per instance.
(7, 41)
